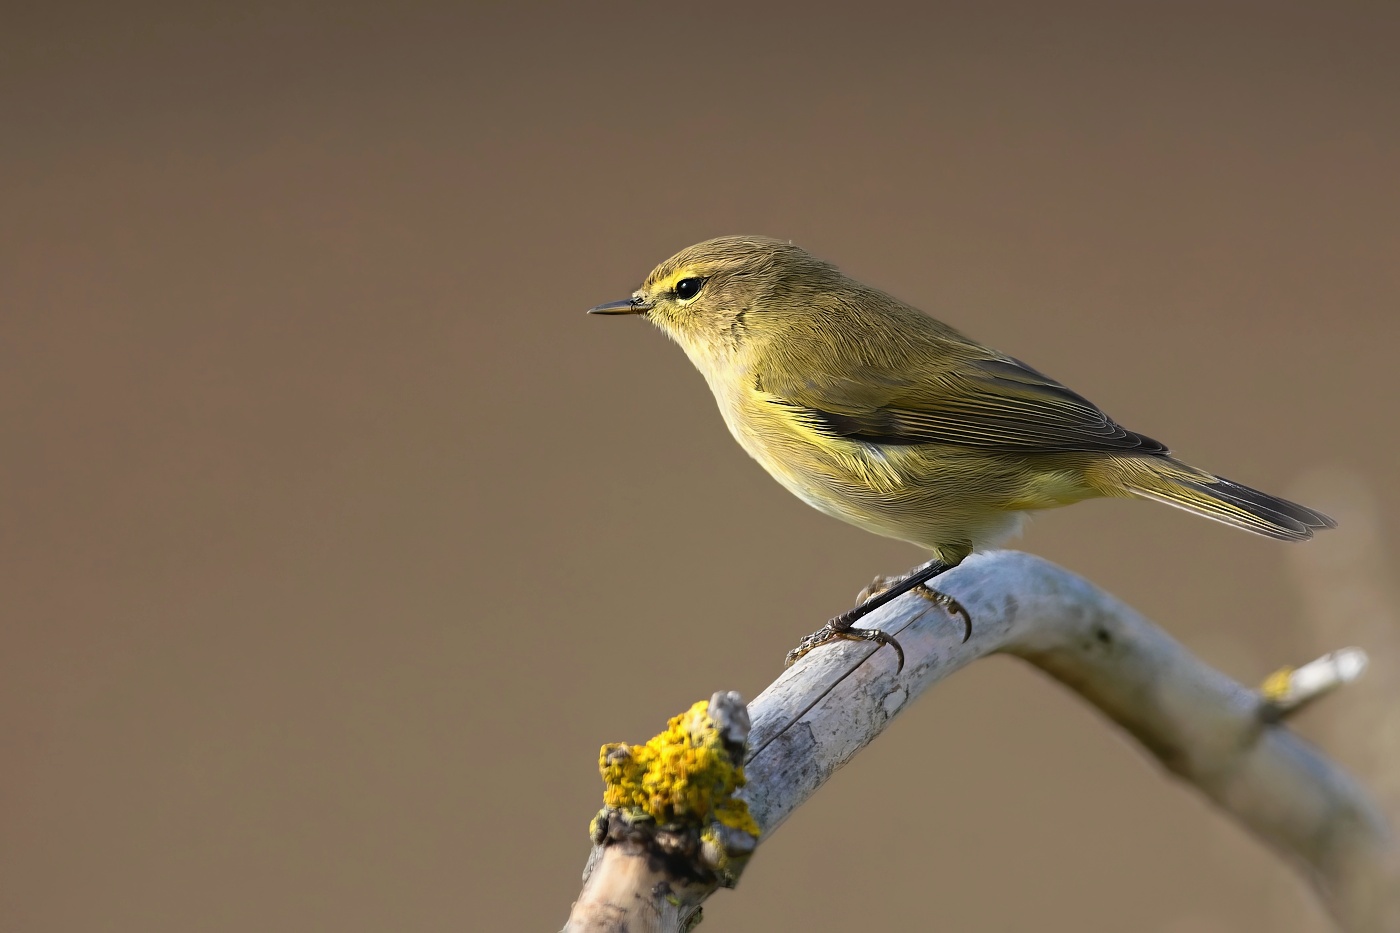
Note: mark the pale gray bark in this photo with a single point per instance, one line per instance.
(1211, 732)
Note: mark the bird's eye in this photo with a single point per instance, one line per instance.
(687, 289)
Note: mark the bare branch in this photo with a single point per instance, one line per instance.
(1210, 731)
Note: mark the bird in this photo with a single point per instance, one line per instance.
(873, 412)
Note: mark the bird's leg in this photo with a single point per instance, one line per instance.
(843, 626)
(883, 584)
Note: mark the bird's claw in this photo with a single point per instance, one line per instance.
(880, 592)
(831, 632)
(951, 605)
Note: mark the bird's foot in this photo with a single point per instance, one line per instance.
(881, 591)
(838, 629)
(883, 584)
(949, 605)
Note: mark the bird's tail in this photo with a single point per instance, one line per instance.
(1175, 483)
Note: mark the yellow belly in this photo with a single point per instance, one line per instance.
(949, 500)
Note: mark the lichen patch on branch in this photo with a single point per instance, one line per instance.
(685, 775)
(672, 799)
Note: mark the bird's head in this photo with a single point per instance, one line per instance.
(714, 297)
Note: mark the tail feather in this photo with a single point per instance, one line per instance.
(1166, 480)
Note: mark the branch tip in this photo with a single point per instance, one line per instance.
(1291, 688)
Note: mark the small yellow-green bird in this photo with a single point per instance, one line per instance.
(873, 412)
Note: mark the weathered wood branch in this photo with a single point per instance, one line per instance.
(1222, 738)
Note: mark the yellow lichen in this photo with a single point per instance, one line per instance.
(684, 775)
(1278, 685)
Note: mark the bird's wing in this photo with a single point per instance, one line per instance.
(996, 403)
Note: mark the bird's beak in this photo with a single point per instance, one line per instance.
(633, 305)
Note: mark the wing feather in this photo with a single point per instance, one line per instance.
(997, 403)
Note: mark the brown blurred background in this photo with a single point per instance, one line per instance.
(335, 538)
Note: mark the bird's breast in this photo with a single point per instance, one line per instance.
(836, 475)
(911, 493)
